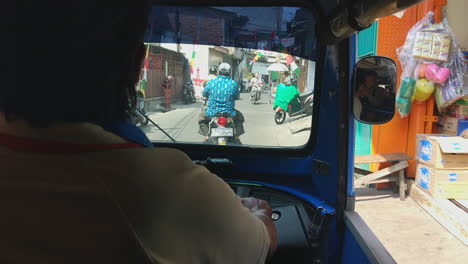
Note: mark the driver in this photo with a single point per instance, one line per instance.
(370, 96)
(78, 183)
(221, 93)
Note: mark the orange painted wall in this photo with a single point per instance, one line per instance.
(392, 136)
(399, 135)
(422, 115)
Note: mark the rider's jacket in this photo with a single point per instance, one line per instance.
(222, 93)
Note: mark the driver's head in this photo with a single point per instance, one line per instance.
(370, 79)
(76, 60)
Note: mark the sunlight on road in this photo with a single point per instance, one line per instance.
(260, 127)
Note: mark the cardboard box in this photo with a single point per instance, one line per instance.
(441, 151)
(451, 124)
(459, 111)
(460, 108)
(448, 133)
(442, 183)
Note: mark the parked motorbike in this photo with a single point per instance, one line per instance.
(139, 116)
(189, 93)
(255, 94)
(244, 87)
(306, 105)
(222, 130)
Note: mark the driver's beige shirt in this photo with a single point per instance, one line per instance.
(53, 210)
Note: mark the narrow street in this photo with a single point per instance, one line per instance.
(260, 127)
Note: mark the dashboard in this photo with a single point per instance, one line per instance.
(300, 226)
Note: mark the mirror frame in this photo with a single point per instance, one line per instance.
(355, 84)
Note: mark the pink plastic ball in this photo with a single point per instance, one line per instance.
(442, 75)
(431, 71)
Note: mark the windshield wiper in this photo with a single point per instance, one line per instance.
(162, 130)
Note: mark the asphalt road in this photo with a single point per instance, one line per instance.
(260, 127)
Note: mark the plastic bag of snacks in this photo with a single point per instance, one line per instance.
(431, 62)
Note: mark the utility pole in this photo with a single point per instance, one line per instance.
(178, 38)
(278, 14)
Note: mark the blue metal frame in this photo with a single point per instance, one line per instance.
(351, 135)
(327, 209)
(294, 173)
(352, 252)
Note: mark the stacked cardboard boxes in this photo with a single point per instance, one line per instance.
(442, 165)
(455, 120)
(452, 126)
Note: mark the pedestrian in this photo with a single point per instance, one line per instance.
(167, 87)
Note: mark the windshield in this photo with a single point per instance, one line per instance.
(228, 75)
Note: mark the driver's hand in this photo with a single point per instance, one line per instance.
(263, 211)
(257, 206)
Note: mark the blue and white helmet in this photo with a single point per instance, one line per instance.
(224, 69)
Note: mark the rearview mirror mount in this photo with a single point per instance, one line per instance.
(358, 15)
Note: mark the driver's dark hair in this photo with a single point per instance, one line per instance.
(361, 76)
(74, 61)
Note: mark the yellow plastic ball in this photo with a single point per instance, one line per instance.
(424, 90)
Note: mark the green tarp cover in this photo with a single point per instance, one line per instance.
(285, 95)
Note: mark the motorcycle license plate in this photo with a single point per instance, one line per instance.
(222, 132)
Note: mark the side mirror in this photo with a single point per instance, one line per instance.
(374, 90)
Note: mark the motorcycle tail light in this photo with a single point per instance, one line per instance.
(222, 121)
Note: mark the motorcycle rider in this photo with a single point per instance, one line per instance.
(287, 79)
(221, 93)
(256, 83)
(286, 94)
(189, 92)
(213, 73)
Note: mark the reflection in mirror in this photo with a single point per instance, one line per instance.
(374, 90)
(216, 75)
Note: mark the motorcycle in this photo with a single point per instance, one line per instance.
(222, 130)
(189, 93)
(139, 116)
(255, 94)
(305, 100)
(244, 87)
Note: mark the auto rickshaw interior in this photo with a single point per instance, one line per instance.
(307, 183)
